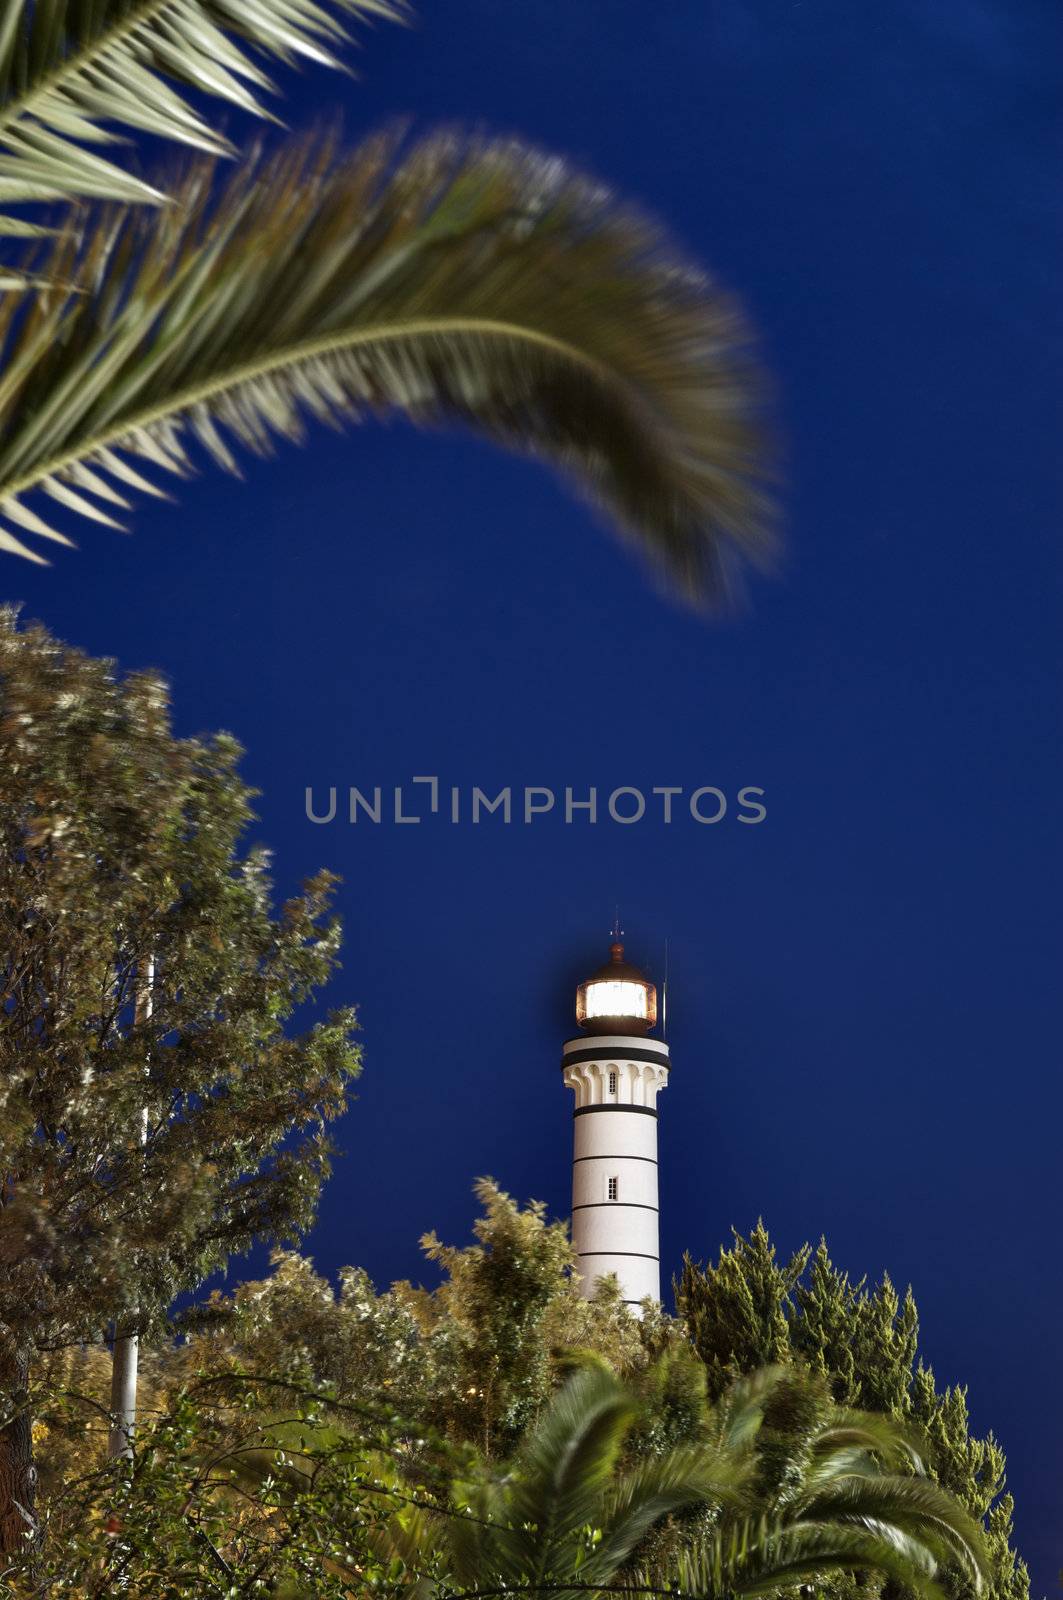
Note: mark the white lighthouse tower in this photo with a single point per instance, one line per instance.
(616, 1072)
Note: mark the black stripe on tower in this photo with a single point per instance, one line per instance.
(651, 1159)
(640, 1254)
(634, 1052)
(642, 1111)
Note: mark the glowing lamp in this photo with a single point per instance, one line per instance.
(616, 998)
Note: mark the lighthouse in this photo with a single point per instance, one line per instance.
(616, 1072)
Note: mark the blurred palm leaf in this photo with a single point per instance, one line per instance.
(764, 1555)
(456, 283)
(71, 69)
(564, 1519)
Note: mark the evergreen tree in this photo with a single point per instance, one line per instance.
(137, 1151)
(737, 1317)
(750, 1307)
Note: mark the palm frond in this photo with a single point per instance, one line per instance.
(758, 1555)
(560, 1520)
(687, 1476)
(565, 1466)
(415, 1541)
(739, 1412)
(458, 283)
(71, 72)
(864, 1433)
(912, 1505)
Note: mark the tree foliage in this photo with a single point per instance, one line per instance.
(231, 1488)
(475, 1359)
(140, 1148)
(749, 1307)
(461, 1378)
(566, 1517)
(251, 1486)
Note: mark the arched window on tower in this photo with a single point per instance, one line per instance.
(612, 1083)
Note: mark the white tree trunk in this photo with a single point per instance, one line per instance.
(124, 1361)
(125, 1357)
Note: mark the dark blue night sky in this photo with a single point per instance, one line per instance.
(864, 988)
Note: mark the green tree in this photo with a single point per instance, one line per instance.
(736, 1314)
(453, 281)
(137, 1151)
(476, 1361)
(475, 1358)
(245, 1484)
(490, 1325)
(565, 1517)
(749, 1307)
(231, 1488)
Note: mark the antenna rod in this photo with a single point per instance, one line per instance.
(664, 996)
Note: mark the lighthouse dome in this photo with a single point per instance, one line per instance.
(618, 998)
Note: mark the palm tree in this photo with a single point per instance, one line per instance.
(760, 1506)
(450, 280)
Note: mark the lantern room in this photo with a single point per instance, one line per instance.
(617, 998)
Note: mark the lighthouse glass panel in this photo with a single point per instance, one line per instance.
(615, 998)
